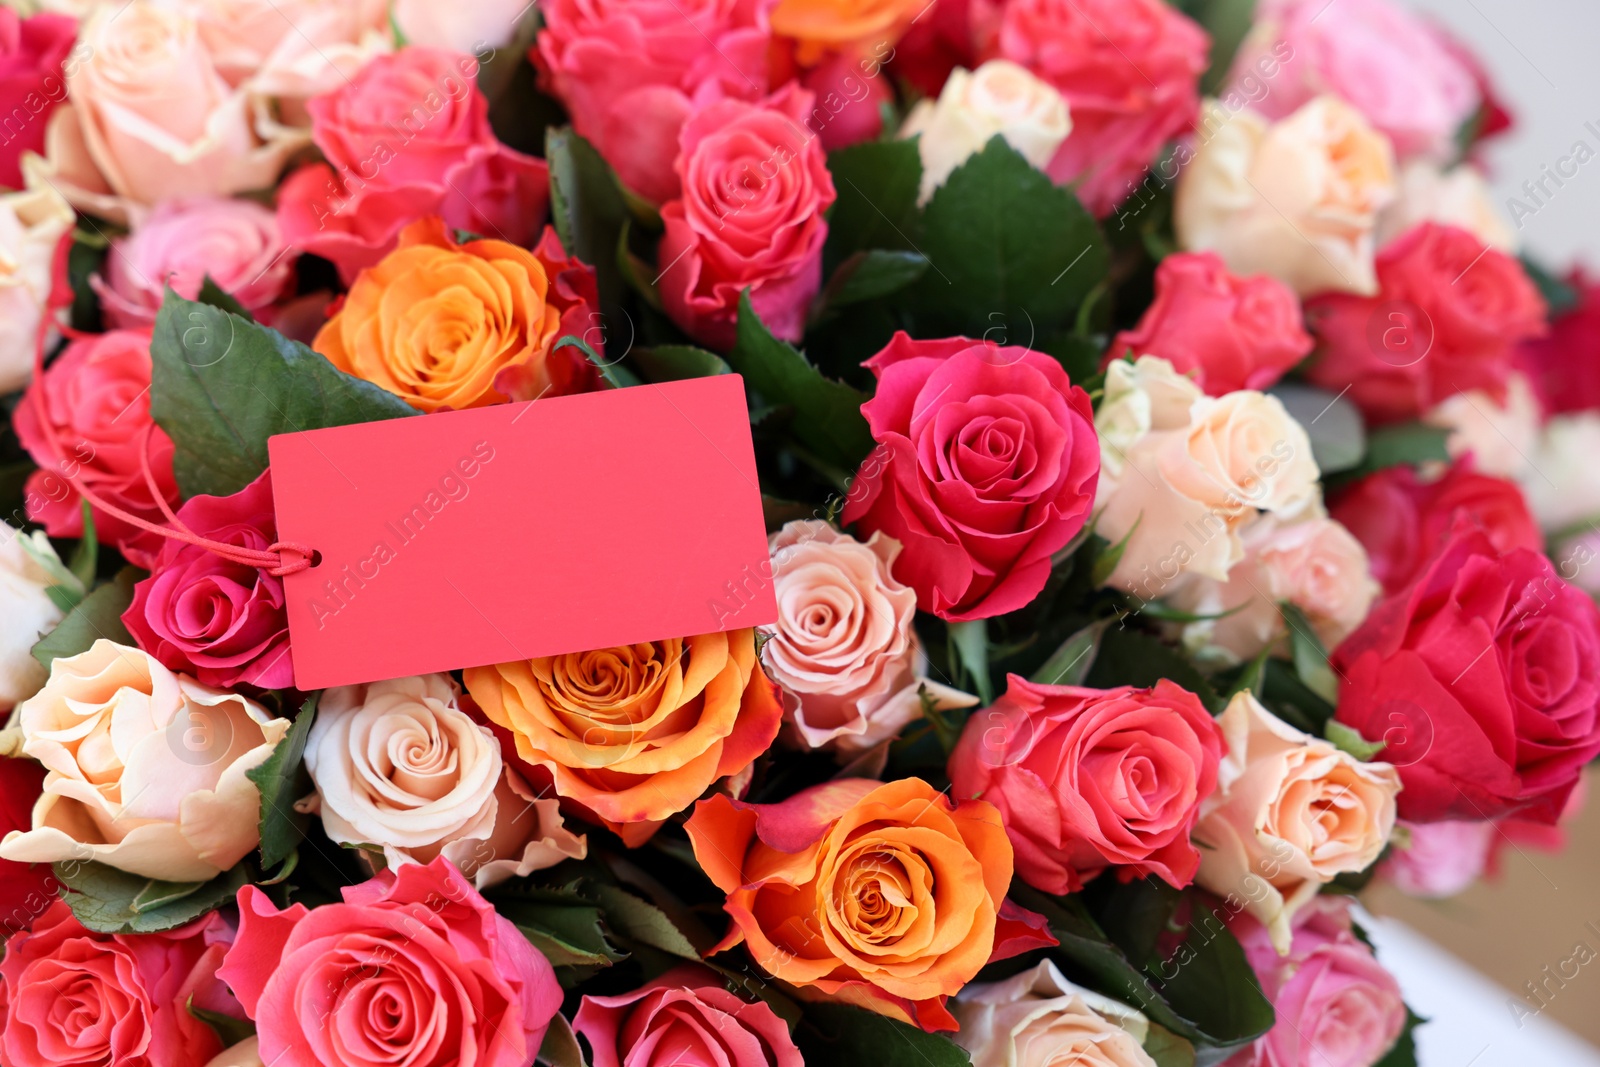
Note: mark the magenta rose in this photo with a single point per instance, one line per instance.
(632, 73)
(1231, 333)
(1130, 73)
(73, 998)
(33, 81)
(95, 400)
(1335, 1004)
(685, 1018)
(987, 466)
(182, 242)
(408, 136)
(755, 187)
(414, 967)
(1087, 779)
(220, 621)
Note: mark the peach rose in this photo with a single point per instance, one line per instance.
(887, 896)
(32, 224)
(1039, 1019)
(999, 97)
(1291, 813)
(146, 768)
(843, 648)
(635, 734)
(477, 27)
(1313, 563)
(823, 27)
(400, 765)
(28, 568)
(1185, 472)
(290, 49)
(1297, 199)
(449, 326)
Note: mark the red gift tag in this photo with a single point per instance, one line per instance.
(466, 538)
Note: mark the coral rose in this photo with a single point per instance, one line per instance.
(888, 896)
(1290, 814)
(844, 649)
(1039, 1019)
(398, 764)
(147, 768)
(28, 565)
(457, 326)
(413, 967)
(73, 998)
(95, 398)
(32, 224)
(1229, 333)
(986, 468)
(35, 56)
(634, 734)
(685, 1018)
(1087, 779)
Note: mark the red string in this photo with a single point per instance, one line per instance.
(279, 559)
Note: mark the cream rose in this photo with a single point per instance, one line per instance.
(1180, 484)
(27, 608)
(399, 765)
(999, 97)
(246, 1053)
(289, 49)
(1561, 486)
(32, 223)
(458, 27)
(146, 768)
(1297, 199)
(1313, 563)
(1039, 1019)
(1455, 197)
(843, 648)
(1291, 813)
(1500, 435)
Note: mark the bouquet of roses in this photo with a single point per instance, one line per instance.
(1179, 497)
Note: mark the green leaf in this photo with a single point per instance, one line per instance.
(1404, 1053)
(98, 616)
(1070, 663)
(213, 295)
(1167, 1048)
(1348, 740)
(1310, 657)
(222, 385)
(560, 1047)
(640, 921)
(282, 779)
(587, 208)
(562, 924)
(1338, 438)
(229, 1031)
(877, 183)
(110, 901)
(615, 375)
(1226, 22)
(843, 1036)
(1409, 443)
(828, 418)
(1105, 564)
(86, 556)
(1008, 247)
(1128, 657)
(970, 640)
(1559, 295)
(871, 274)
(672, 363)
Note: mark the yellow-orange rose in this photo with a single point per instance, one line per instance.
(821, 27)
(634, 734)
(437, 323)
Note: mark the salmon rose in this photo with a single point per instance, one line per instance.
(887, 896)
(454, 326)
(632, 735)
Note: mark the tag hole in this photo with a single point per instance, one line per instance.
(316, 558)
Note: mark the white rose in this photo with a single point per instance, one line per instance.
(1563, 483)
(1501, 436)
(399, 765)
(1297, 199)
(1039, 1019)
(32, 224)
(459, 27)
(28, 611)
(1455, 197)
(999, 97)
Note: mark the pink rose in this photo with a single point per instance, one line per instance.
(1087, 779)
(234, 242)
(1336, 1006)
(413, 967)
(987, 467)
(73, 998)
(33, 57)
(850, 95)
(96, 399)
(685, 1018)
(632, 72)
(1386, 61)
(407, 137)
(1229, 332)
(1130, 72)
(755, 187)
(221, 621)
(1438, 859)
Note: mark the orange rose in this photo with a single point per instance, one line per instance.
(887, 896)
(820, 27)
(634, 734)
(456, 326)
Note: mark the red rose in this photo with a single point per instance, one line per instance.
(1130, 72)
(1402, 519)
(73, 998)
(220, 621)
(755, 187)
(1483, 678)
(1087, 779)
(988, 467)
(96, 398)
(33, 80)
(1448, 316)
(26, 889)
(1564, 365)
(685, 1018)
(1233, 333)
(408, 136)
